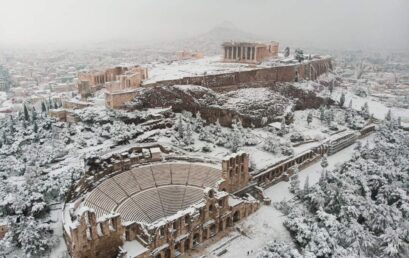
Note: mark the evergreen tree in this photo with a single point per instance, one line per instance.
(35, 127)
(294, 181)
(365, 111)
(5, 141)
(309, 118)
(33, 113)
(388, 116)
(55, 104)
(188, 135)
(299, 55)
(180, 127)
(350, 104)
(342, 100)
(399, 122)
(323, 177)
(43, 107)
(283, 128)
(322, 113)
(324, 161)
(307, 185)
(331, 87)
(328, 117)
(286, 52)
(26, 116)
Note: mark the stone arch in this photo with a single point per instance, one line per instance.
(168, 253)
(196, 239)
(187, 244)
(178, 247)
(213, 230)
(221, 226)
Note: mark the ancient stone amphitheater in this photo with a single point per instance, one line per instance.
(156, 209)
(149, 193)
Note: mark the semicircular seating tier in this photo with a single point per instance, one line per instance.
(148, 193)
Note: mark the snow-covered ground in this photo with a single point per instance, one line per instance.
(266, 224)
(206, 65)
(378, 109)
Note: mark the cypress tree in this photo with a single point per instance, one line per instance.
(26, 116)
(35, 127)
(342, 100)
(43, 107)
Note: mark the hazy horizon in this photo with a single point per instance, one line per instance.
(363, 24)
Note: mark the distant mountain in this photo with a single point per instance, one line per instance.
(210, 41)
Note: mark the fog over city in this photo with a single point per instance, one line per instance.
(364, 24)
(204, 128)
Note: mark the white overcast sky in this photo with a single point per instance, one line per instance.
(327, 23)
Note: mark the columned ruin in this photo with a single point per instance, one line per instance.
(246, 52)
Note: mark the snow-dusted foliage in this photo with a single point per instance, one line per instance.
(279, 250)
(361, 209)
(232, 138)
(40, 159)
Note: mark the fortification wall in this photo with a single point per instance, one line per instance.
(287, 73)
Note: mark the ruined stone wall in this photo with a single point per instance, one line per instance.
(118, 99)
(185, 231)
(235, 172)
(92, 239)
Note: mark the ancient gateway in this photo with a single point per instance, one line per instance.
(162, 209)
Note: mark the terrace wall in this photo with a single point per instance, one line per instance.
(230, 81)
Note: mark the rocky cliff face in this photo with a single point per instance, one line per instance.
(253, 106)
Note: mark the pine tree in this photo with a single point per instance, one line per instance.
(309, 118)
(26, 116)
(55, 104)
(342, 100)
(350, 104)
(399, 122)
(43, 107)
